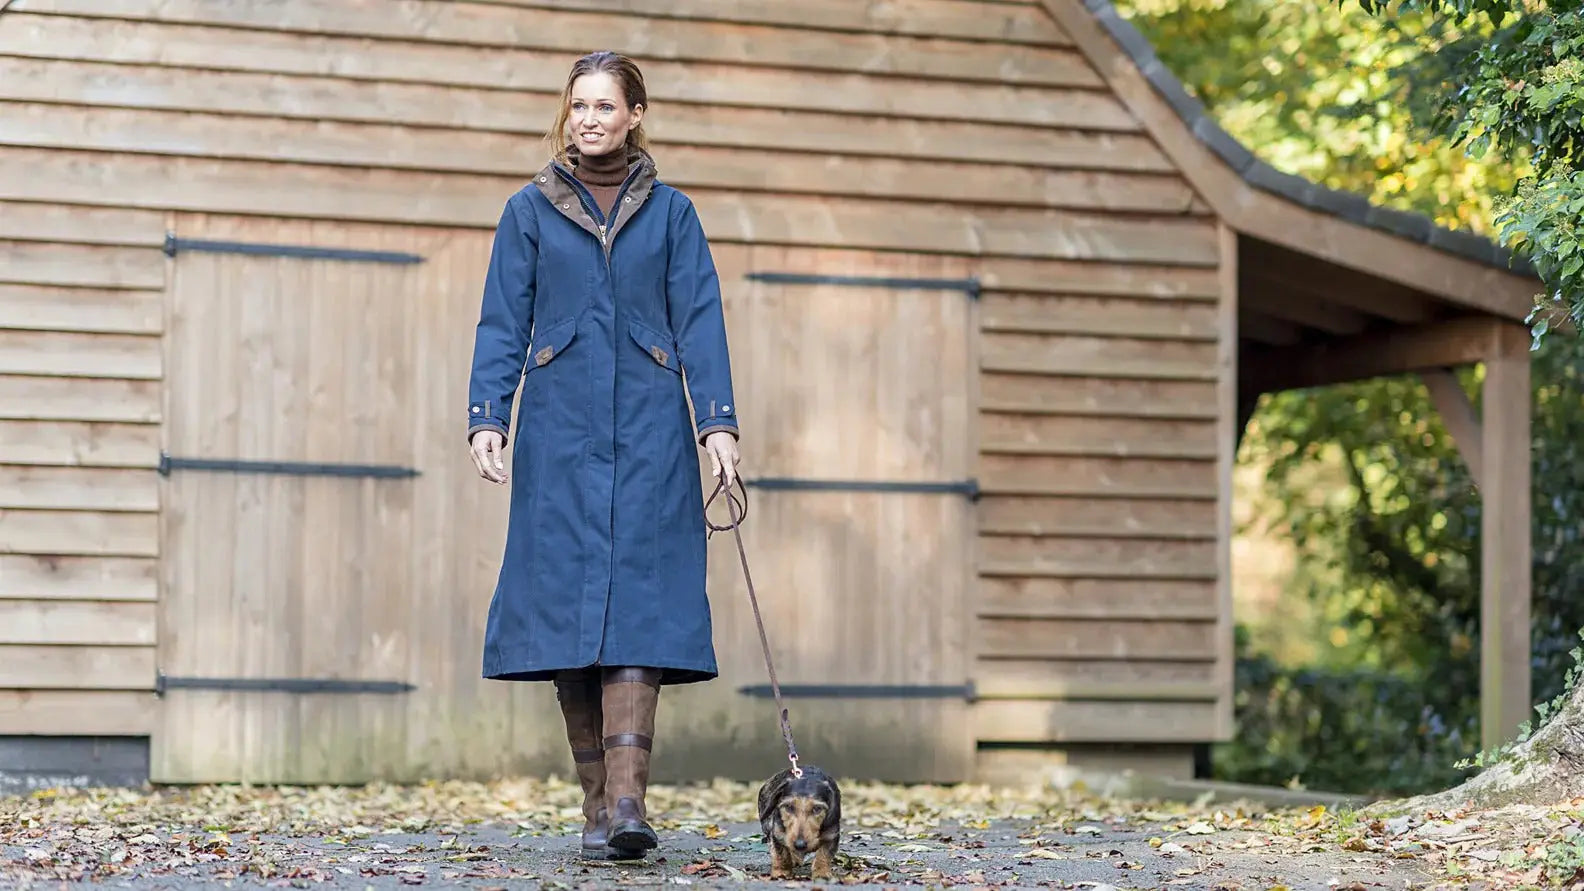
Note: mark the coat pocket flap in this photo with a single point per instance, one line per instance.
(549, 341)
(659, 347)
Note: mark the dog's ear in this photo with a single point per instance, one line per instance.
(774, 792)
(831, 793)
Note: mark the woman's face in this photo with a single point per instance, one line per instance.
(599, 119)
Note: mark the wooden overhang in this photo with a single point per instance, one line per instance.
(1329, 288)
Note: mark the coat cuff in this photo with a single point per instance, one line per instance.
(706, 427)
(716, 412)
(483, 416)
(496, 427)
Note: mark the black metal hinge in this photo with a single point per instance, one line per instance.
(297, 468)
(968, 487)
(174, 245)
(865, 691)
(969, 286)
(280, 685)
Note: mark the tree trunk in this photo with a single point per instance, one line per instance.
(1547, 768)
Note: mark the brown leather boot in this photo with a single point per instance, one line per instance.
(631, 696)
(579, 694)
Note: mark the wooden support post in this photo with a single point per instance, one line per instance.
(1458, 414)
(1506, 555)
(1229, 432)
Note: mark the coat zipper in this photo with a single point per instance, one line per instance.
(594, 214)
(604, 240)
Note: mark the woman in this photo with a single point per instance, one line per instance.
(601, 281)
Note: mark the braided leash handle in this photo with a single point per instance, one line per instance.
(739, 512)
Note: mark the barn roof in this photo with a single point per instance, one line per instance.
(1352, 208)
(1347, 205)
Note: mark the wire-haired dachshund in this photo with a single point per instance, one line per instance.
(801, 816)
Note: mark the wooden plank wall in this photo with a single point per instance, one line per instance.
(840, 382)
(388, 579)
(1099, 599)
(966, 131)
(321, 577)
(80, 371)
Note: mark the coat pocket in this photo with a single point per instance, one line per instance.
(549, 342)
(661, 348)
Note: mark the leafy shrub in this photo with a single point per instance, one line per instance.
(1353, 730)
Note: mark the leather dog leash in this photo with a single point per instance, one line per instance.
(739, 513)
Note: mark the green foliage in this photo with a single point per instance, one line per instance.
(1563, 860)
(1557, 863)
(1529, 89)
(1513, 82)
(1443, 107)
(1389, 549)
(1543, 713)
(1524, 90)
(1390, 552)
(1356, 730)
(1313, 89)
(1544, 215)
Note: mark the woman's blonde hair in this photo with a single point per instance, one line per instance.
(626, 73)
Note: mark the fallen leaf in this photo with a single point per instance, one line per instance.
(468, 855)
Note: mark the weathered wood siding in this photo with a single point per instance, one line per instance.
(1083, 593)
(1101, 604)
(283, 576)
(80, 410)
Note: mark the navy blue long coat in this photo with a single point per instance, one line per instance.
(595, 320)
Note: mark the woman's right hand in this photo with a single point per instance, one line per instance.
(487, 448)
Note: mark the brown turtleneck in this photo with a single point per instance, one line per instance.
(603, 174)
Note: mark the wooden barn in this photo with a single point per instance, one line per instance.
(1000, 298)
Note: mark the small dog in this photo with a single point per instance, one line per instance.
(800, 816)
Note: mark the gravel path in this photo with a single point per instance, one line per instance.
(1095, 855)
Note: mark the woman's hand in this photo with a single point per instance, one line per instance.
(487, 446)
(722, 448)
